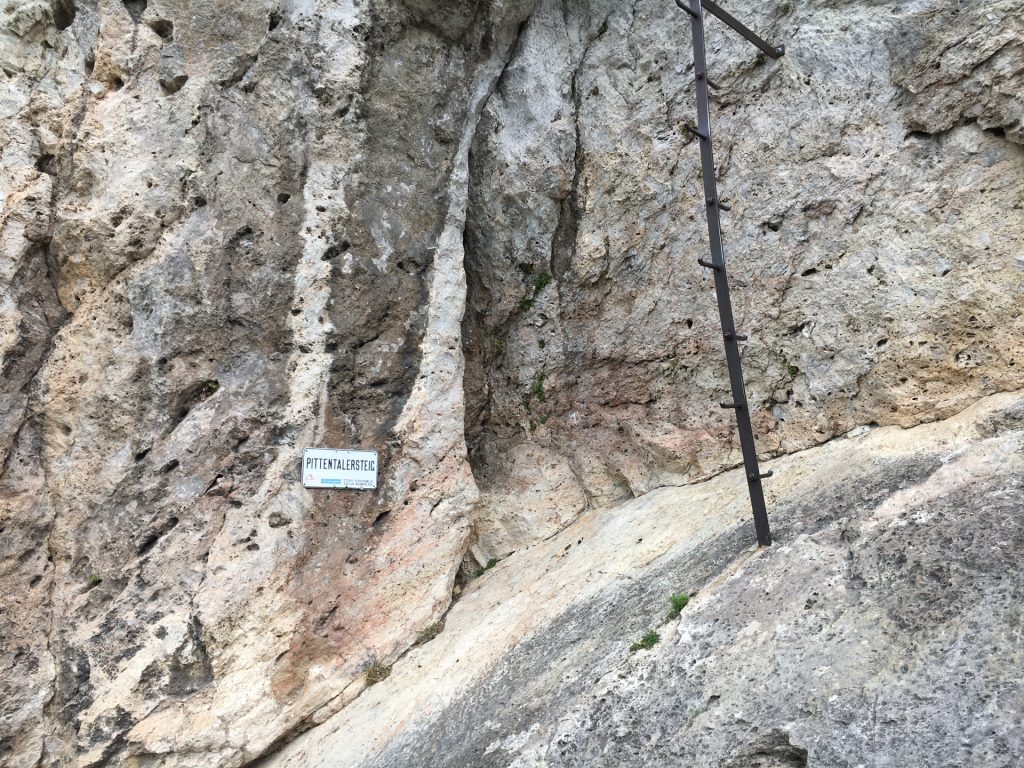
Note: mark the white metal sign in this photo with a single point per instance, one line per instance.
(329, 468)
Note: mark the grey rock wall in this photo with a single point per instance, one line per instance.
(462, 234)
(875, 179)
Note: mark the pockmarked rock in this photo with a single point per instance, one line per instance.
(462, 235)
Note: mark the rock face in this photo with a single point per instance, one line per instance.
(464, 234)
(882, 629)
(874, 174)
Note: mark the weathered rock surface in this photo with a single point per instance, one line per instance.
(883, 628)
(462, 234)
(875, 174)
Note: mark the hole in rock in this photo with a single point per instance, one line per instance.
(135, 8)
(170, 466)
(152, 537)
(64, 12)
(163, 27)
(275, 20)
(283, 197)
(171, 85)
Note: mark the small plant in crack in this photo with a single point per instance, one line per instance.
(537, 387)
(490, 564)
(499, 333)
(208, 388)
(677, 603)
(377, 672)
(542, 281)
(430, 632)
(645, 643)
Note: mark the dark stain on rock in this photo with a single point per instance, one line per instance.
(770, 750)
(190, 669)
(73, 687)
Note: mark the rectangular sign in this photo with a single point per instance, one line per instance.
(329, 468)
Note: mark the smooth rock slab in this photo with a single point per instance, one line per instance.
(881, 629)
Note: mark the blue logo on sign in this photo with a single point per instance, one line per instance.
(331, 481)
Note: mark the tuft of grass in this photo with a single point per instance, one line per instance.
(430, 632)
(793, 370)
(678, 602)
(646, 642)
(490, 564)
(208, 388)
(542, 281)
(95, 580)
(537, 387)
(377, 672)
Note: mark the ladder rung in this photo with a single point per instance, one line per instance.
(711, 83)
(724, 206)
(686, 8)
(752, 477)
(735, 406)
(736, 336)
(695, 132)
(709, 265)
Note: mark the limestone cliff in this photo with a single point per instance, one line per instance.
(464, 234)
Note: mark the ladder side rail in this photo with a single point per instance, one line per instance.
(722, 282)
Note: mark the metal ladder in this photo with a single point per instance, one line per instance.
(712, 206)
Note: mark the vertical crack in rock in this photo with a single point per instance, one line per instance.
(563, 244)
(528, 192)
(376, 323)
